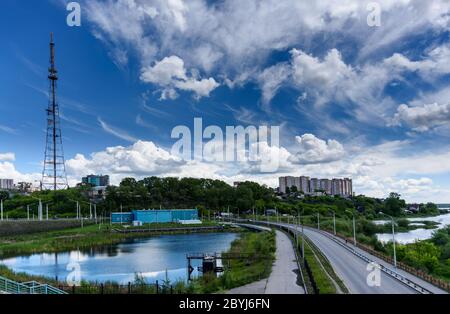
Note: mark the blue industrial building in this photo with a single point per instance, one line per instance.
(155, 216)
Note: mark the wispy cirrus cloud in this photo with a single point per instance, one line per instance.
(117, 132)
(7, 129)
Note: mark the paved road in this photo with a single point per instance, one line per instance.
(283, 277)
(353, 270)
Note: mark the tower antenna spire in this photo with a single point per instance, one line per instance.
(54, 173)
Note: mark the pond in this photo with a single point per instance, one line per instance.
(148, 257)
(417, 234)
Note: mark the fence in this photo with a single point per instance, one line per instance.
(31, 287)
(130, 288)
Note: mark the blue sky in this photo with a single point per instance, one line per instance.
(352, 100)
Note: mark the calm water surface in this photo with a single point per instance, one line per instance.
(417, 234)
(149, 257)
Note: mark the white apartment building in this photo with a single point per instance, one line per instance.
(342, 187)
(314, 185)
(6, 184)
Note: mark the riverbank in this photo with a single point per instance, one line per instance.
(257, 250)
(80, 238)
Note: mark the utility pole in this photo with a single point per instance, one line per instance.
(354, 230)
(303, 237)
(28, 212)
(393, 237)
(46, 210)
(318, 221)
(334, 221)
(90, 211)
(40, 210)
(393, 243)
(1, 209)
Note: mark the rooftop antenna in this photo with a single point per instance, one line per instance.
(54, 173)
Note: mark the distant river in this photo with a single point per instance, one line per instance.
(150, 257)
(417, 234)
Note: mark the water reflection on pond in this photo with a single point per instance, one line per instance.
(150, 257)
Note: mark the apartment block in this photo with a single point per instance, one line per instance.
(311, 186)
(6, 184)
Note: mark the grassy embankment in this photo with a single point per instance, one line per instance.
(259, 249)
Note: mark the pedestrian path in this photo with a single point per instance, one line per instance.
(283, 278)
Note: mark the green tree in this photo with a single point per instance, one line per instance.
(394, 204)
(4, 195)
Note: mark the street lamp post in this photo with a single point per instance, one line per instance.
(393, 237)
(303, 237)
(40, 210)
(318, 221)
(354, 227)
(334, 221)
(46, 209)
(78, 208)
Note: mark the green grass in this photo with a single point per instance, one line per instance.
(240, 272)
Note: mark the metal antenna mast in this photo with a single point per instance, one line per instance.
(54, 174)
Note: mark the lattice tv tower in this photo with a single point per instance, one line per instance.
(54, 173)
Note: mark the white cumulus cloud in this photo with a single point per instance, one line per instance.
(423, 117)
(313, 150)
(171, 74)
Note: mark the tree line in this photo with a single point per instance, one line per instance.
(204, 194)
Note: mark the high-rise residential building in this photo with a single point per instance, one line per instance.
(96, 180)
(297, 183)
(6, 184)
(314, 185)
(325, 185)
(342, 187)
(304, 184)
(282, 185)
(290, 182)
(336, 187)
(348, 187)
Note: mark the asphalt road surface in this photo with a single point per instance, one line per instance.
(354, 271)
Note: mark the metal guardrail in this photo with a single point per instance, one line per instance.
(420, 274)
(384, 269)
(31, 287)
